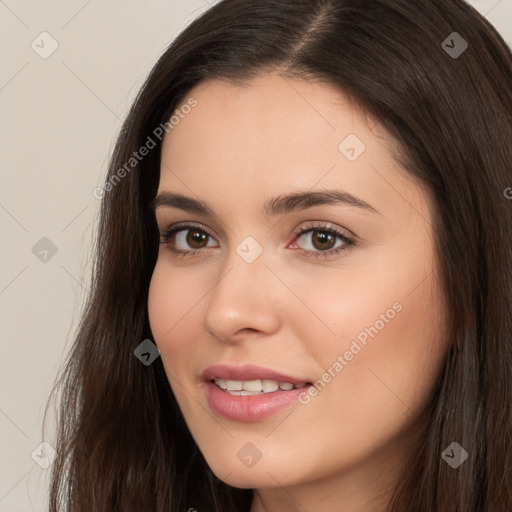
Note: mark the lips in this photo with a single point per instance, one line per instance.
(250, 405)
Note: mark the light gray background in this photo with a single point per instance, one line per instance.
(59, 120)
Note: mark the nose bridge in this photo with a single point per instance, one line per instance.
(245, 266)
(240, 298)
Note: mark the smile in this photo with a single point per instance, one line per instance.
(255, 387)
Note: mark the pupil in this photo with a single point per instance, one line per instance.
(323, 237)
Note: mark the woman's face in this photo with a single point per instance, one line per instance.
(351, 307)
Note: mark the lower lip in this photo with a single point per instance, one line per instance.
(250, 407)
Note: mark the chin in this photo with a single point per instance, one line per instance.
(257, 477)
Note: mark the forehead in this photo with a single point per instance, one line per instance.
(272, 109)
(275, 135)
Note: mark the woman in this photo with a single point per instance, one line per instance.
(307, 213)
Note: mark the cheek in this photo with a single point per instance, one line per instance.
(392, 350)
(384, 347)
(171, 309)
(162, 302)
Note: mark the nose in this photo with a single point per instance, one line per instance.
(244, 300)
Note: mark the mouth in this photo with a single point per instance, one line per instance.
(251, 393)
(256, 387)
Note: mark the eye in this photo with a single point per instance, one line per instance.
(183, 235)
(188, 240)
(322, 241)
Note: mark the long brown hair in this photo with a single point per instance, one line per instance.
(122, 442)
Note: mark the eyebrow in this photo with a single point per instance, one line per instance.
(277, 206)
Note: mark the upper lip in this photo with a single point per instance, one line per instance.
(247, 372)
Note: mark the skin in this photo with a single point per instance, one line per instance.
(240, 146)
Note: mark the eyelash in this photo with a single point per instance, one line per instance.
(348, 242)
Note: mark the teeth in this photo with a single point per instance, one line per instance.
(222, 383)
(254, 387)
(234, 385)
(270, 385)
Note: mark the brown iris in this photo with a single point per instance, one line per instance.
(322, 240)
(195, 236)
